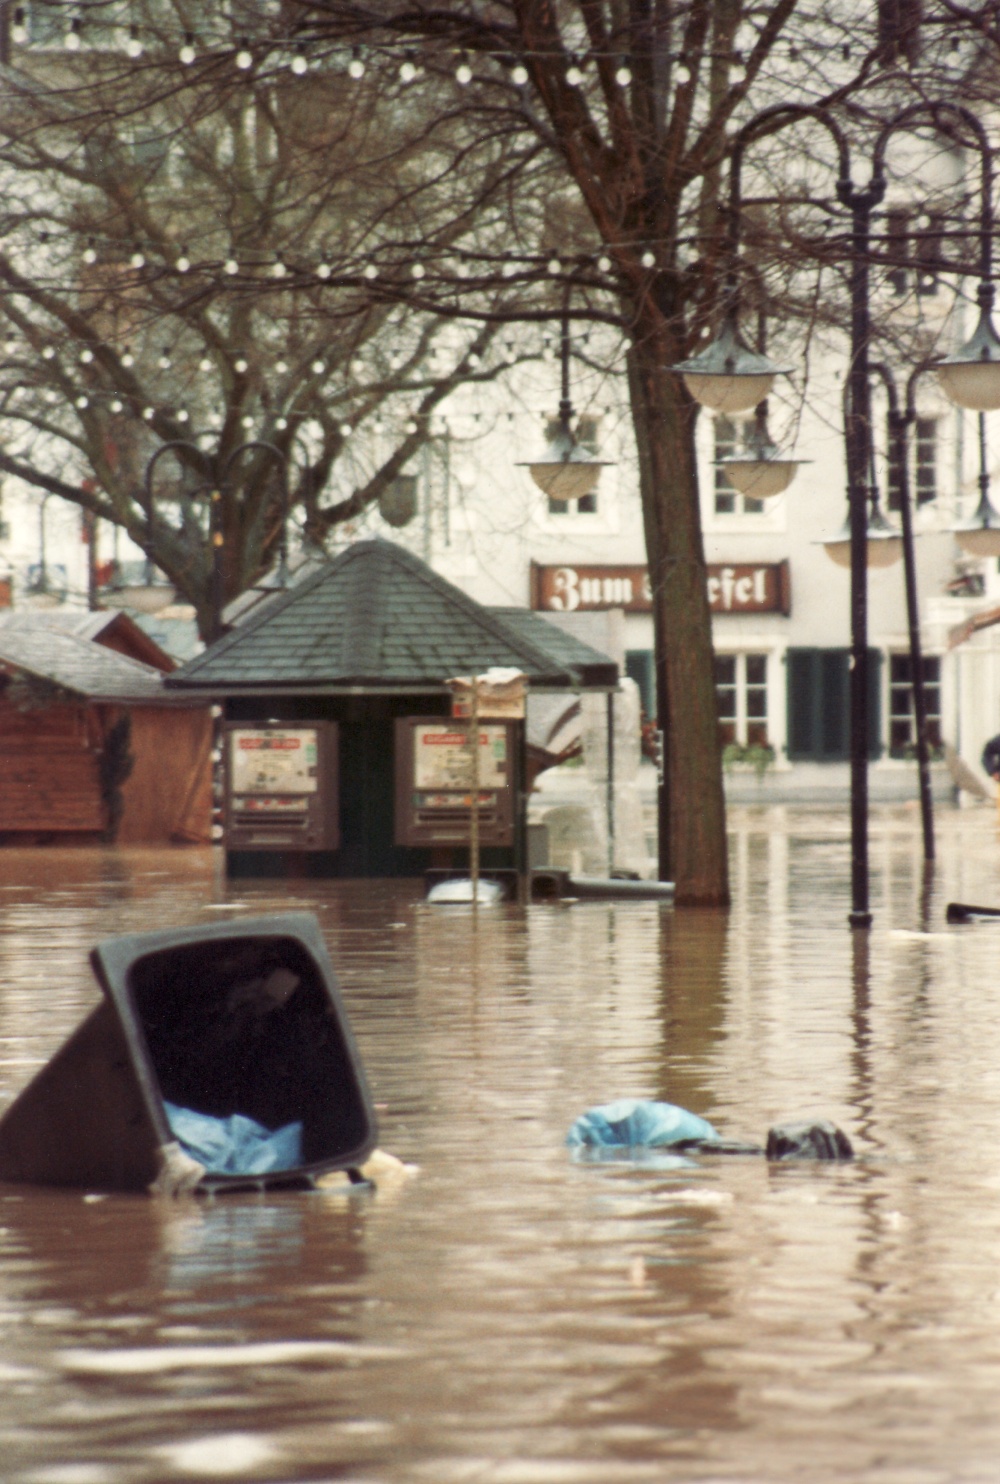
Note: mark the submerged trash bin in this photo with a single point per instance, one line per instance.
(239, 1023)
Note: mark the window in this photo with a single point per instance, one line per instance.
(819, 704)
(902, 722)
(741, 699)
(925, 454)
(924, 463)
(897, 243)
(727, 500)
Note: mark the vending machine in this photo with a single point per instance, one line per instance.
(435, 769)
(281, 786)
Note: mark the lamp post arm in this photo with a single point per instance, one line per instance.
(932, 113)
(282, 458)
(173, 445)
(770, 121)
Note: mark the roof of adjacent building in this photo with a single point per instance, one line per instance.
(377, 618)
(79, 666)
(113, 629)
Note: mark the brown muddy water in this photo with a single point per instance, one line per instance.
(509, 1316)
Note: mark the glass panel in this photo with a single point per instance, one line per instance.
(756, 669)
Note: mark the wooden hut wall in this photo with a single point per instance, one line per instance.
(168, 795)
(49, 782)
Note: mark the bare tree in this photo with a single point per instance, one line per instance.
(207, 249)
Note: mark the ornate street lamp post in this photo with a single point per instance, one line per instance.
(973, 372)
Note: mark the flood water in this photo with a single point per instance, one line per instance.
(509, 1316)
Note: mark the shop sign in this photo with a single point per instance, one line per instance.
(733, 587)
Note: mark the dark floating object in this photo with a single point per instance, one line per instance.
(822, 1140)
(242, 1017)
(963, 912)
(634, 1123)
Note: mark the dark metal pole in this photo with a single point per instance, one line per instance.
(858, 445)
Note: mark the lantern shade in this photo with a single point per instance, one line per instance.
(971, 376)
(760, 471)
(727, 376)
(979, 536)
(884, 544)
(566, 470)
(978, 541)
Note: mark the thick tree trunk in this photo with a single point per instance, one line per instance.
(692, 819)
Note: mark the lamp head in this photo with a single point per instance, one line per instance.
(970, 376)
(727, 376)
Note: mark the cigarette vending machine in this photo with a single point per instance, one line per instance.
(281, 786)
(434, 781)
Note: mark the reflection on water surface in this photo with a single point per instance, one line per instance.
(512, 1316)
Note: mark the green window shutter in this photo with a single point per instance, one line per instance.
(819, 704)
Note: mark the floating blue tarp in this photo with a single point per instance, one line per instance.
(236, 1145)
(632, 1123)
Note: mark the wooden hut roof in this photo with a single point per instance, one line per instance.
(112, 629)
(88, 670)
(378, 619)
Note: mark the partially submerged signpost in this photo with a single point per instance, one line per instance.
(496, 695)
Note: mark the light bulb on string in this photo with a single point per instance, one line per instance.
(281, 367)
(86, 356)
(206, 364)
(573, 75)
(82, 402)
(554, 266)
(346, 430)
(240, 365)
(187, 52)
(89, 254)
(411, 427)
(407, 70)
(299, 63)
(278, 270)
(648, 259)
(116, 404)
(355, 67)
(183, 263)
(133, 46)
(19, 31)
(318, 368)
(149, 413)
(604, 264)
(623, 75)
(164, 361)
(244, 58)
(48, 353)
(463, 73)
(182, 415)
(519, 75)
(138, 260)
(462, 270)
(11, 347)
(71, 41)
(323, 270)
(370, 271)
(418, 270)
(231, 267)
(247, 422)
(128, 359)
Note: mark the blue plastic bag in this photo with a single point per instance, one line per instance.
(633, 1123)
(236, 1145)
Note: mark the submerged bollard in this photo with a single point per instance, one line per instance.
(220, 1058)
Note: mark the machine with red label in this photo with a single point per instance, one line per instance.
(281, 790)
(435, 769)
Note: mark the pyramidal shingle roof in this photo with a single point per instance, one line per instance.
(378, 618)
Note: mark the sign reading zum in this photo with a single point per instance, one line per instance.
(733, 587)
